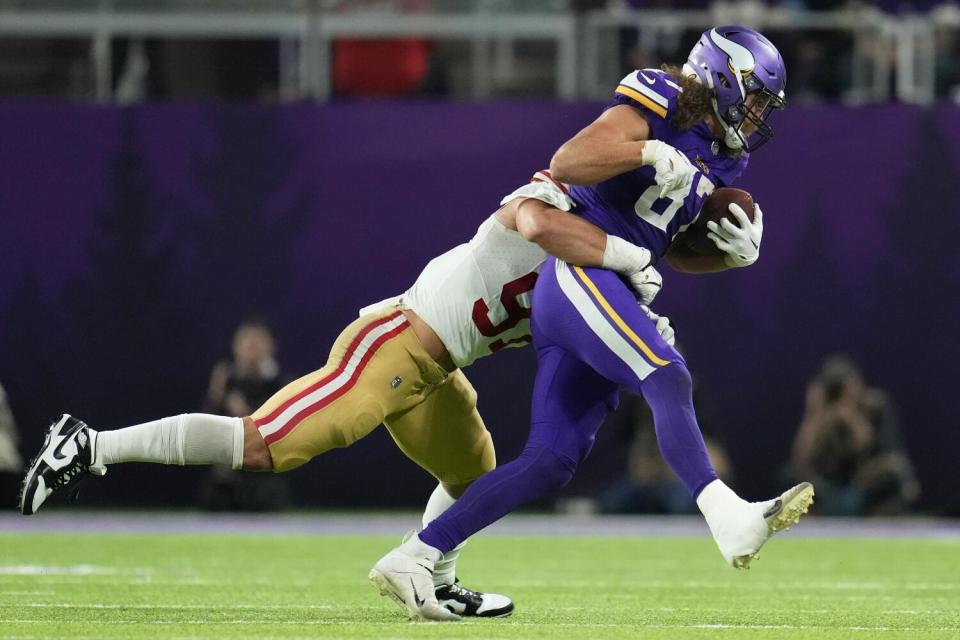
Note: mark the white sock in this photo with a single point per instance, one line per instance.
(190, 438)
(445, 569)
(415, 547)
(717, 495)
(737, 526)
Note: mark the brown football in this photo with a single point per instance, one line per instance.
(715, 208)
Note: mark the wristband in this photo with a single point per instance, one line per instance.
(651, 150)
(625, 257)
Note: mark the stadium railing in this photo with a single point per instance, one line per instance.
(869, 30)
(892, 56)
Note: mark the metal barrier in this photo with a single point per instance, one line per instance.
(587, 46)
(870, 30)
(306, 31)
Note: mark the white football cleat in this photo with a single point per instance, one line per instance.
(406, 575)
(67, 454)
(740, 528)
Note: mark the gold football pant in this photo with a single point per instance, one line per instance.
(378, 372)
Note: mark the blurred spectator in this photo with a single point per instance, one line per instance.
(946, 44)
(650, 485)
(237, 388)
(234, 69)
(819, 61)
(646, 48)
(11, 464)
(240, 385)
(368, 67)
(380, 68)
(849, 446)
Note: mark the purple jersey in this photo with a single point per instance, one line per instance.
(627, 205)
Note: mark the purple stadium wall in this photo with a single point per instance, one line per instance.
(133, 240)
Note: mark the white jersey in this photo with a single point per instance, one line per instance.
(476, 296)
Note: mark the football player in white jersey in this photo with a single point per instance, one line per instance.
(397, 364)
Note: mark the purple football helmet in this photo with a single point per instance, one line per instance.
(737, 62)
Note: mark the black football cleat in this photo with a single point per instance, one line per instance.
(469, 603)
(66, 456)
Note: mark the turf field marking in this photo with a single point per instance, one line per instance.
(326, 607)
(51, 570)
(66, 605)
(912, 612)
(724, 610)
(922, 586)
(798, 627)
(514, 623)
(806, 586)
(723, 585)
(113, 579)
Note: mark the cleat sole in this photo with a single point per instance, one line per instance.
(383, 586)
(386, 589)
(795, 505)
(743, 562)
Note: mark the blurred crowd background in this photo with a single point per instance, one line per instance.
(126, 51)
(93, 311)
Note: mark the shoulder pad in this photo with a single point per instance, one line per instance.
(650, 90)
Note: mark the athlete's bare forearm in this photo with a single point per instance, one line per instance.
(587, 160)
(561, 234)
(571, 238)
(610, 145)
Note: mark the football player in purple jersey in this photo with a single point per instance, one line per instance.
(590, 334)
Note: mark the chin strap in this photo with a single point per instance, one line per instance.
(731, 137)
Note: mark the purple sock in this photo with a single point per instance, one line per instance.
(669, 392)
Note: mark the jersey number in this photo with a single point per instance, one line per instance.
(509, 299)
(644, 205)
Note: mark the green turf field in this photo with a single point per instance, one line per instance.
(212, 586)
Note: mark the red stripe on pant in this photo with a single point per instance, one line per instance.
(338, 392)
(354, 344)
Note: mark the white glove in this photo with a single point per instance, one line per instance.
(625, 257)
(673, 171)
(646, 284)
(544, 188)
(741, 244)
(663, 325)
